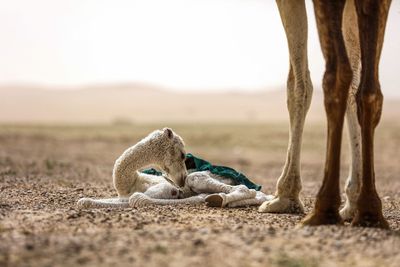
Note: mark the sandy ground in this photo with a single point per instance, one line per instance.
(45, 170)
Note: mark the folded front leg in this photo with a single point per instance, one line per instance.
(163, 191)
(238, 193)
(222, 194)
(203, 182)
(162, 194)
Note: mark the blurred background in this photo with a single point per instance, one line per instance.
(136, 61)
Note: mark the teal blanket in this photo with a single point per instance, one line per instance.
(197, 164)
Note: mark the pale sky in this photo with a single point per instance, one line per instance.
(180, 44)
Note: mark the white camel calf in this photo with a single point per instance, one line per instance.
(161, 149)
(165, 151)
(214, 190)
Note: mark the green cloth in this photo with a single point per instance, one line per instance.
(197, 164)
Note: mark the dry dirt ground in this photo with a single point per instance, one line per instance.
(45, 170)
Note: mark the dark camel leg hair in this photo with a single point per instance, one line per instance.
(372, 16)
(336, 82)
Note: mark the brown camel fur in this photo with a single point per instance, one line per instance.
(371, 18)
(351, 35)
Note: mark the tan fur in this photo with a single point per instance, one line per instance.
(346, 28)
(299, 92)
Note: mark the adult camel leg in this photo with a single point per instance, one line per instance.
(299, 92)
(336, 82)
(372, 16)
(353, 183)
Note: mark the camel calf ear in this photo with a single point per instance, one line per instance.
(168, 132)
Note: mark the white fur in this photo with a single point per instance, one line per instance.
(299, 92)
(137, 189)
(161, 149)
(204, 186)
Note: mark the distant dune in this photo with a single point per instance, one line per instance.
(138, 103)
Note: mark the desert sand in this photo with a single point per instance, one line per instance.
(45, 170)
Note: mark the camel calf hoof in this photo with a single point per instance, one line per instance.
(215, 200)
(282, 205)
(84, 203)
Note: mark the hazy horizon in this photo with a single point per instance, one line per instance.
(178, 44)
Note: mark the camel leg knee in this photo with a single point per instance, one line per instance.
(163, 191)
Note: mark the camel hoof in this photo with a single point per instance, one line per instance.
(215, 200)
(370, 220)
(370, 213)
(347, 213)
(322, 218)
(282, 205)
